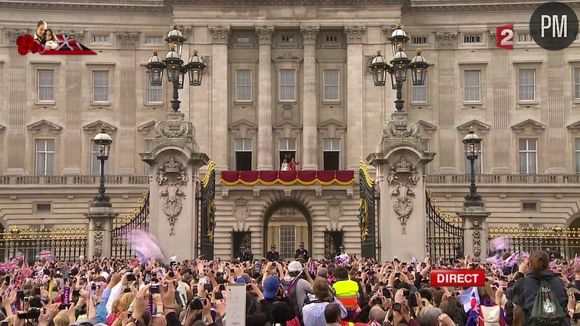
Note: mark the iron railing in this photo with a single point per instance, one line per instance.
(560, 241)
(444, 238)
(65, 244)
(138, 219)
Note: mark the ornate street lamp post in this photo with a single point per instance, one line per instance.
(472, 145)
(399, 65)
(176, 68)
(103, 143)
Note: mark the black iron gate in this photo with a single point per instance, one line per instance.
(444, 240)
(241, 239)
(333, 240)
(207, 212)
(120, 237)
(366, 216)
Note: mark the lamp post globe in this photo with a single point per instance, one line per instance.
(195, 66)
(418, 68)
(398, 39)
(175, 39)
(155, 68)
(379, 68)
(472, 144)
(103, 143)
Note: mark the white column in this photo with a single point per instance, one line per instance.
(354, 113)
(309, 100)
(219, 95)
(265, 148)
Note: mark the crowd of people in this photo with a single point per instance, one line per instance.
(303, 291)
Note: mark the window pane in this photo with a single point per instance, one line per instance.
(287, 84)
(419, 93)
(523, 163)
(154, 93)
(523, 144)
(577, 162)
(46, 85)
(577, 83)
(39, 163)
(527, 84)
(577, 144)
(49, 163)
(531, 144)
(100, 86)
(472, 85)
(331, 85)
(243, 85)
(287, 240)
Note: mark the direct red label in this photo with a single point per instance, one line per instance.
(504, 36)
(458, 277)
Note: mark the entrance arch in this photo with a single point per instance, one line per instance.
(573, 244)
(286, 223)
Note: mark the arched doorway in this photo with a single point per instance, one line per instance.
(573, 249)
(286, 224)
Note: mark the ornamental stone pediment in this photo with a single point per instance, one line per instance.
(332, 122)
(38, 126)
(242, 123)
(2, 127)
(427, 127)
(95, 126)
(287, 124)
(574, 127)
(529, 125)
(480, 127)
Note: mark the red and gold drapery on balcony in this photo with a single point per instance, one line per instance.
(287, 178)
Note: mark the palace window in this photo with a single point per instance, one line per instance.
(101, 38)
(529, 206)
(528, 155)
(331, 81)
(101, 86)
(287, 240)
(419, 93)
(153, 40)
(577, 83)
(331, 153)
(331, 38)
(45, 81)
(288, 38)
(287, 149)
(95, 163)
(243, 85)
(243, 151)
(577, 154)
(43, 208)
(525, 38)
(419, 39)
(44, 156)
(472, 86)
(472, 38)
(154, 93)
(287, 85)
(527, 85)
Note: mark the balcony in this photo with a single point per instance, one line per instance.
(288, 178)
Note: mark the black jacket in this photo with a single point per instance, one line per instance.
(301, 253)
(524, 292)
(273, 256)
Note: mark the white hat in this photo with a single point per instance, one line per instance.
(295, 266)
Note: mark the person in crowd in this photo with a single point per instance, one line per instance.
(301, 252)
(530, 274)
(273, 255)
(245, 254)
(51, 42)
(41, 27)
(313, 313)
(347, 291)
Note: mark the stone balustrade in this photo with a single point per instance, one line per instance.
(73, 180)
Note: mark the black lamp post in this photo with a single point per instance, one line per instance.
(175, 67)
(103, 142)
(399, 65)
(472, 145)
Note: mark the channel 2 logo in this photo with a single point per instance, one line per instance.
(553, 26)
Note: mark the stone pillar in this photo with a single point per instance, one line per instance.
(100, 228)
(309, 100)
(72, 119)
(219, 95)
(400, 163)
(175, 162)
(475, 234)
(265, 148)
(355, 103)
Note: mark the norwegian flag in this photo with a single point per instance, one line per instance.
(68, 45)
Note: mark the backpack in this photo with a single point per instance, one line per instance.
(546, 310)
(290, 294)
(490, 316)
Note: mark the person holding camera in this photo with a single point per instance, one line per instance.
(313, 313)
(273, 255)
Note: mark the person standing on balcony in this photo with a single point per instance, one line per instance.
(284, 166)
(293, 166)
(273, 255)
(301, 252)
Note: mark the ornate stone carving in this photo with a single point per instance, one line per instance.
(354, 33)
(185, 30)
(172, 204)
(476, 243)
(77, 35)
(128, 38)
(241, 209)
(264, 34)
(13, 34)
(309, 34)
(98, 237)
(334, 209)
(172, 175)
(403, 176)
(219, 33)
(399, 128)
(175, 128)
(207, 61)
(288, 56)
(446, 38)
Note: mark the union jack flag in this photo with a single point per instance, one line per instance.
(68, 45)
(46, 255)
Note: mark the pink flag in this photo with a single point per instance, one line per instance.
(145, 246)
(499, 244)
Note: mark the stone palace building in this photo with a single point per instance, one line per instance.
(287, 80)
